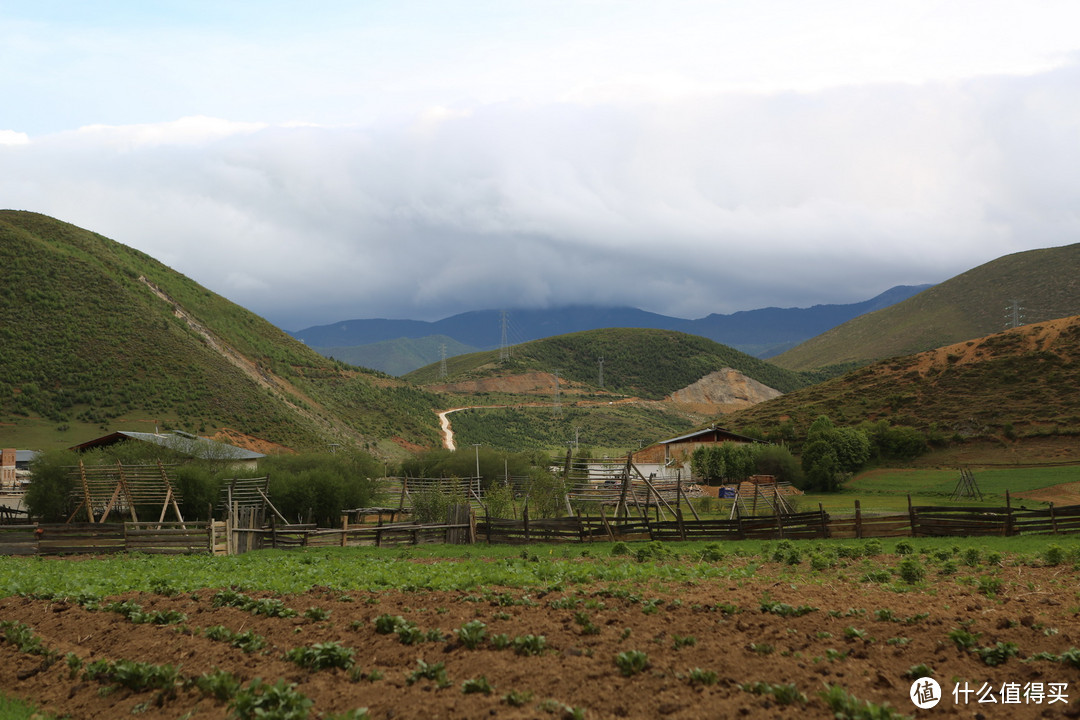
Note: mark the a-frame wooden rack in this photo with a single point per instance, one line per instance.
(966, 487)
(105, 488)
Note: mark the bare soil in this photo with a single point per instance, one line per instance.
(1036, 609)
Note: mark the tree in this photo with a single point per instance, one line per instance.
(831, 453)
(48, 497)
(821, 466)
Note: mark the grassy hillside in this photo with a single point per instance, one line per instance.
(1045, 283)
(1004, 387)
(617, 427)
(97, 336)
(650, 364)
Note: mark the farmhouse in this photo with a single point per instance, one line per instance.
(677, 450)
(183, 443)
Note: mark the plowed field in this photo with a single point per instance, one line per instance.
(841, 629)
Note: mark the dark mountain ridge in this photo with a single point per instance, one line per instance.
(761, 333)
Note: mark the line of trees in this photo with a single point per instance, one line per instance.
(311, 485)
(829, 456)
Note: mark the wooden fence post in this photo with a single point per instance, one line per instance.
(1053, 520)
(824, 522)
(273, 532)
(344, 530)
(858, 520)
(779, 525)
(1008, 515)
(679, 520)
(607, 525)
(525, 520)
(911, 514)
(472, 526)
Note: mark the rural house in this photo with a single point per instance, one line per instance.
(677, 450)
(184, 443)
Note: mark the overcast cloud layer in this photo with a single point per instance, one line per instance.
(402, 161)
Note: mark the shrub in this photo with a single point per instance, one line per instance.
(1053, 555)
(47, 497)
(911, 570)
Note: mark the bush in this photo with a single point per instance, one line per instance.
(48, 496)
(911, 570)
(499, 500)
(431, 505)
(778, 461)
(321, 483)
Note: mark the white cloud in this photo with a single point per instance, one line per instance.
(690, 206)
(10, 137)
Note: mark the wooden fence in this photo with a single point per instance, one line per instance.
(462, 527)
(99, 539)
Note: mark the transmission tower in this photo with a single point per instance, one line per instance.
(442, 360)
(1014, 314)
(556, 408)
(504, 346)
(601, 382)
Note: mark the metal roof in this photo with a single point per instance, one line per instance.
(25, 456)
(707, 431)
(181, 442)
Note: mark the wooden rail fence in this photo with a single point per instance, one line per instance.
(462, 527)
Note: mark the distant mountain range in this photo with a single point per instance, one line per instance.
(391, 345)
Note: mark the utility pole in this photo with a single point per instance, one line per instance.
(442, 361)
(476, 447)
(1014, 314)
(556, 408)
(504, 347)
(601, 383)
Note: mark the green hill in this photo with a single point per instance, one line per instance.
(1006, 387)
(98, 336)
(645, 363)
(1044, 283)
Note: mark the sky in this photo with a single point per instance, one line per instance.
(325, 161)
